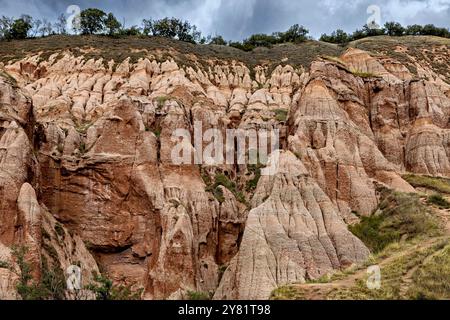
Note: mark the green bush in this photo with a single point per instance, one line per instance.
(218, 40)
(281, 115)
(59, 230)
(439, 201)
(104, 289)
(53, 282)
(195, 295)
(92, 21)
(161, 100)
(82, 148)
(222, 180)
(218, 194)
(438, 184)
(338, 36)
(9, 79)
(362, 74)
(172, 28)
(52, 285)
(399, 215)
(256, 171)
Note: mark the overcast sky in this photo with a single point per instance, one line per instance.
(237, 19)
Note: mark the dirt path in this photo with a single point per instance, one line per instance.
(442, 214)
(320, 291)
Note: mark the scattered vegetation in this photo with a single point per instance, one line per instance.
(281, 115)
(393, 275)
(364, 74)
(221, 271)
(441, 185)
(337, 60)
(104, 289)
(294, 34)
(222, 180)
(59, 230)
(439, 201)
(431, 280)
(323, 279)
(161, 101)
(392, 28)
(173, 28)
(82, 148)
(218, 194)
(254, 169)
(407, 245)
(399, 216)
(195, 295)
(11, 28)
(157, 132)
(93, 21)
(52, 285)
(26, 289)
(10, 79)
(45, 234)
(83, 128)
(286, 293)
(53, 281)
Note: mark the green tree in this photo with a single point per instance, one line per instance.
(26, 287)
(132, 31)
(358, 34)
(260, 40)
(432, 30)
(52, 285)
(394, 29)
(338, 36)
(369, 31)
(218, 40)
(295, 34)
(147, 26)
(112, 24)
(5, 27)
(325, 38)
(60, 24)
(19, 28)
(104, 289)
(172, 28)
(46, 28)
(92, 21)
(241, 46)
(414, 30)
(36, 26)
(167, 28)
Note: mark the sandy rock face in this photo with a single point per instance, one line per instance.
(26, 223)
(87, 148)
(293, 233)
(8, 278)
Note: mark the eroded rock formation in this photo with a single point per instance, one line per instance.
(86, 145)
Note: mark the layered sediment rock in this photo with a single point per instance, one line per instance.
(88, 145)
(26, 225)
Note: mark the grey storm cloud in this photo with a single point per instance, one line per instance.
(237, 19)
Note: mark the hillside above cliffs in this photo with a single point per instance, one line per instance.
(301, 54)
(87, 177)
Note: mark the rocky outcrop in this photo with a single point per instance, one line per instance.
(86, 147)
(26, 225)
(294, 233)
